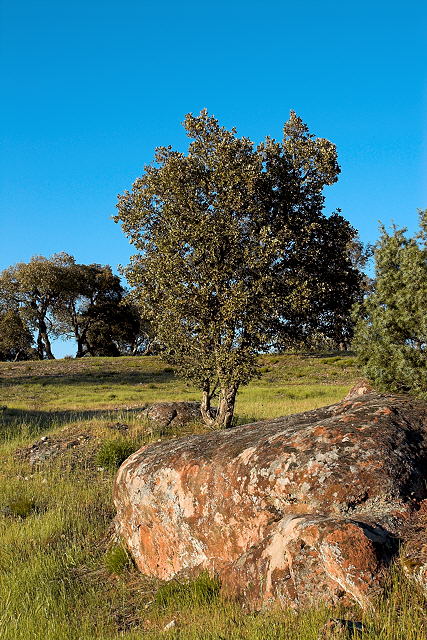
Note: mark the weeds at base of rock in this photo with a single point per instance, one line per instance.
(112, 453)
(202, 590)
(117, 560)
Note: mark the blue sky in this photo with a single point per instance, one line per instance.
(90, 88)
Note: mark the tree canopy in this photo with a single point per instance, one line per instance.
(87, 306)
(34, 289)
(58, 297)
(391, 332)
(16, 339)
(235, 254)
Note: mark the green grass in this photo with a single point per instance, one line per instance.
(113, 452)
(117, 560)
(64, 575)
(118, 383)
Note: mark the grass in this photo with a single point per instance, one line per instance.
(113, 452)
(117, 560)
(123, 383)
(64, 575)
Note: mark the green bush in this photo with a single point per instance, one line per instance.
(112, 453)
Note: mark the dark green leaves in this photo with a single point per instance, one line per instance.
(234, 253)
(391, 335)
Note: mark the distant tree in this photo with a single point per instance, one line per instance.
(234, 252)
(391, 332)
(34, 289)
(58, 297)
(119, 330)
(16, 339)
(130, 332)
(88, 308)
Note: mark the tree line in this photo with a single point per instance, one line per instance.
(56, 297)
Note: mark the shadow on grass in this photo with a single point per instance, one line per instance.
(90, 378)
(34, 422)
(320, 354)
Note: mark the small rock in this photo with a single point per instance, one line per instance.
(352, 628)
(72, 444)
(170, 625)
(171, 414)
(119, 426)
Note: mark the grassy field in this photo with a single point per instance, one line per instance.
(63, 576)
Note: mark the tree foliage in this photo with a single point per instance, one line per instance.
(16, 339)
(128, 332)
(34, 289)
(87, 308)
(391, 332)
(234, 252)
(57, 297)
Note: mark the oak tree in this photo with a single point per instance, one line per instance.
(234, 252)
(34, 289)
(87, 308)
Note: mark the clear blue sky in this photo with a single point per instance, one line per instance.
(90, 88)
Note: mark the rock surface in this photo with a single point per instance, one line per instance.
(361, 388)
(51, 447)
(414, 552)
(176, 414)
(290, 510)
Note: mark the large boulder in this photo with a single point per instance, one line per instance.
(290, 510)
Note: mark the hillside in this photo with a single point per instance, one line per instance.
(286, 384)
(65, 425)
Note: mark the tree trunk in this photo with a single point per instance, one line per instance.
(222, 417)
(80, 351)
(40, 346)
(83, 346)
(225, 413)
(18, 353)
(205, 406)
(43, 341)
(47, 347)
